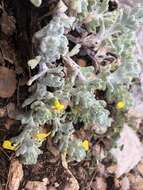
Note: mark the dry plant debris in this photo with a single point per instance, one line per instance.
(7, 82)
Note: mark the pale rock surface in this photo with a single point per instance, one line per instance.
(129, 151)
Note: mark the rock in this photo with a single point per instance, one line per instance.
(99, 184)
(140, 168)
(56, 184)
(136, 182)
(15, 175)
(9, 123)
(72, 184)
(51, 188)
(129, 151)
(117, 183)
(125, 184)
(112, 169)
(36, 185)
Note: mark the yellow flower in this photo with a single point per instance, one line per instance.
(7, 144)
(120, 105)
(85, 145)
(41, 136)
(57, 106)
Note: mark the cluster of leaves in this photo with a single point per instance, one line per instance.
(67, 93)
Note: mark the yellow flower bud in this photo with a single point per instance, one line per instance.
(7, 144)
(120, 105)
(57, 106)
(41, 136)
(85, 145)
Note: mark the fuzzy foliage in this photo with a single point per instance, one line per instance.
(67, 94)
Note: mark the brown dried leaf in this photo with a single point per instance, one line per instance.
(7, 23)
(8, 52)
(38, 166)
(23, 81)
(82, 63)
(3, 112)
(81, 173)
(15, 175)
(9, 123)
(7, 82)
(1, 59)
(53, 149)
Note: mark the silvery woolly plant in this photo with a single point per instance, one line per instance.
(66, 93)
(36, 3)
